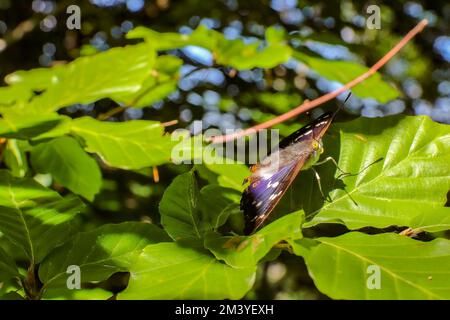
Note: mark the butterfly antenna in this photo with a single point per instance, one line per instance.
(341, 105)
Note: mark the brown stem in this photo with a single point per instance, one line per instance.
(308, 105)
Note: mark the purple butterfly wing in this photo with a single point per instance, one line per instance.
(262, 195)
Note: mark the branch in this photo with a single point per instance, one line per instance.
(308, 105)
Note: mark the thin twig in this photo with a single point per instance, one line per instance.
(169, 123)
(308, 105)
(110, 113)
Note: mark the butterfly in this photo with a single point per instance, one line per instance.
(272, 176)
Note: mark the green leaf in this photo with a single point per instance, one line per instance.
(229, 175)
(216, 204)
(402, 172)
(179, 210)
(246, 251)
(18, 126)
(127, 145)
(69, 165)
(342, 267)
(35, 218)
(15, 157)
(116, 72)
(346, 71)
(433, 220)
(112, 248)
(183, 271)
(35, 79)
(11, 296)
(77, 294)
(234, 53)
(163, 81)
(279, 102)
(8, 268)
(12, 94)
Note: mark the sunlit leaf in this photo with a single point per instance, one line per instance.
(234, 53)
(346, 71)
(432, 220)
(162, 82)
(400, 167)
(345, 267)
(87, 79)
(246, 251)
(128, 145)
(184, 271)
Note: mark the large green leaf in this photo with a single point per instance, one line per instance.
(246, 251)
(110, 249)
(234, 53)
(36, 79)
(128, 145)
(163, 81)
(69, 165)
(341, 267)
(35, 218)
(433, 220)
(346, 71)
(107, 74)
(405, 173)
(10, 95)
(180, 214)
(184, 271)
(16, 125)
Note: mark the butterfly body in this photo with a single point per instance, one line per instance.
(274, 174)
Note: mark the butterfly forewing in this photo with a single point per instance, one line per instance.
(264, 192)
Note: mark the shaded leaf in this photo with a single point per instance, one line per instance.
(18, 126)
(77, 294)
(69, 165)
(15, 158)
(35, 218)
(112, 248)
(179, 210)
(216, 204)
(8, 268)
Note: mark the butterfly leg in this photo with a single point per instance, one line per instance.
(316, 174)
(328, 159)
